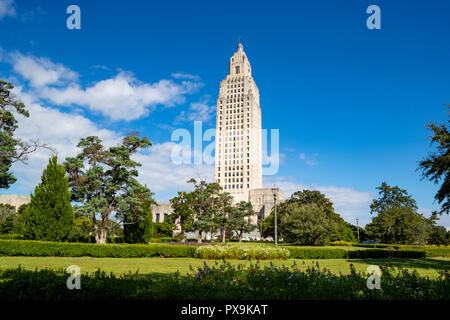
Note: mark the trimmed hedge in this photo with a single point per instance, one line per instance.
(388, 252)
(65, 249)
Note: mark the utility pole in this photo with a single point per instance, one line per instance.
(274, 191)
(357, 228)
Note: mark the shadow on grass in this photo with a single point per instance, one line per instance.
(421, 263)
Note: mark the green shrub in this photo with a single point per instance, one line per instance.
(163, 240)
(241, 252)
(65, 249)
(14, 247)
(341, 243)
(225, 281)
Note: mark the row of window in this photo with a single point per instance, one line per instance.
(158, 217)
(235, 186)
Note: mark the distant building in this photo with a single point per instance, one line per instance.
(14, 200)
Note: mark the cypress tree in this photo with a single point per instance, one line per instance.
(49, 216)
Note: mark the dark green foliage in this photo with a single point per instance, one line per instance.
(163, 229)
(438, 236)
(436, 167)
(9, 146)
(334, 228)
(239, 220)
(399, 225)
(141, 231)
(391, 197)
(183, 211)
(104, 181)
(398, 220)
(225, 281)
(306, 224)
(49, 215)
(65, 249)
(8, 218)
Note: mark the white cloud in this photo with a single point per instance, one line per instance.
(60, 130)
(348, 202)
(7, 8)
(122, 97)
(41, 71)
(181, 75)
(160, 173)
(310, 161)
(198, 111)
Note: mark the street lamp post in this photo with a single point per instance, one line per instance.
(357, 228)
(274, 191)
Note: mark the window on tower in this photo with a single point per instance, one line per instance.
(237, 70)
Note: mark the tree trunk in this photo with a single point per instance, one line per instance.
(224, 231)
(182, 235)
(103, 229)
(199, 237)
(240, 236)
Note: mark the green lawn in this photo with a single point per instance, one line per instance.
(159, 267)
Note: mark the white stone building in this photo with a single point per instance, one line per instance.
(238, 148)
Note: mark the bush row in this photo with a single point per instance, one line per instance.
(388, 252)
(226, 282)
(64, 249)
(241, 252)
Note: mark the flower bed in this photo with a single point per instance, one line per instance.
(229, 282)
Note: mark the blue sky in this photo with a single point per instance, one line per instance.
(351, 103)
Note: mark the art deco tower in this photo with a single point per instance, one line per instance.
(238, 162)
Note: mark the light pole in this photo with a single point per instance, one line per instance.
(274, 191)
(357, 228)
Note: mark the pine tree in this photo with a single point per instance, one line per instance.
(49, 216)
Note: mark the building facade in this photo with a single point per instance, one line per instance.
(238, 145)
(238, 161)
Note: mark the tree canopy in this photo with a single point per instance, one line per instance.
(436, 167)
(104, 181)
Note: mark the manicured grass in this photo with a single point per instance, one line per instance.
(159, 267)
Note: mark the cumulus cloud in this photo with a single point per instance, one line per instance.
(41, 71)
(60, 130)
(160, 173)
(122, 97)
(7, 8)
(348, 202)
(198, 111)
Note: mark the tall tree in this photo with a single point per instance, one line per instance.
(183, 212)
(223, 213)
(397, 219)
(399, 225)
(306, 224)
(340, 231)
(49, 215)
(436, 167)
(240, 221)
(8, 124)
(205, 202)
(135, 211)
(390, 197)
(109, 173)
